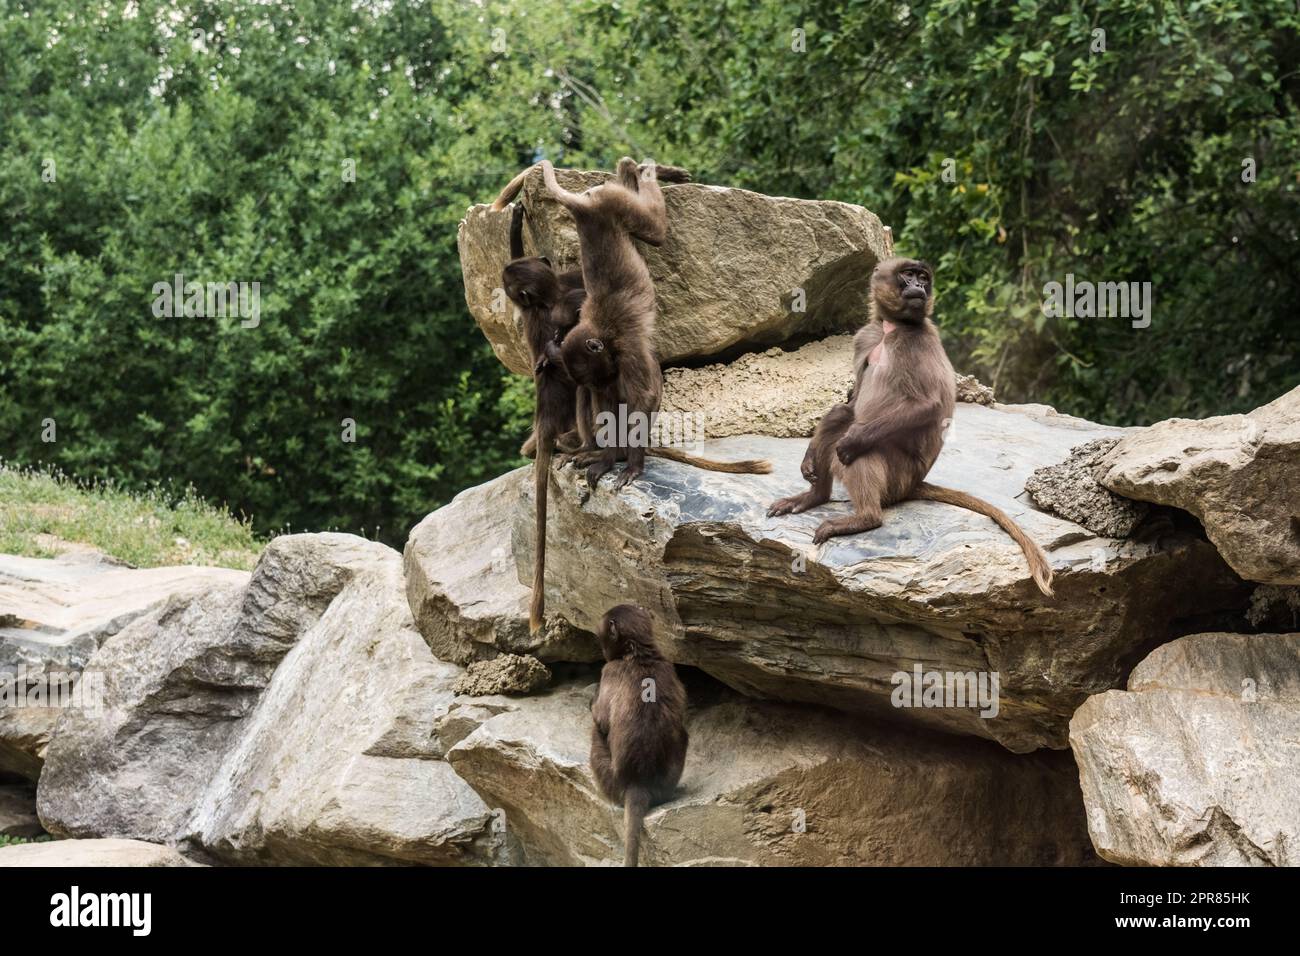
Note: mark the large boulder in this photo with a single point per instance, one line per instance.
(738, 270)
(54, 614)
(752, 601)
(285, 721)
(1239, 474)
(771, 784)
(91, 853)
(463, 589)
(339, 764)
(1196, 763)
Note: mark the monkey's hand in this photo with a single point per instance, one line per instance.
(550, 356)
(852, 446)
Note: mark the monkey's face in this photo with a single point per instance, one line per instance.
(530, 282)
(903, 289)
(586, 357)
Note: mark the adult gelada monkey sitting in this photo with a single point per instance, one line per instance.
(882, 441)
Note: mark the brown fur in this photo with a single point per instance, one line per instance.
(609, 352)
(665, 174)
(549, 304)
(638, 746)
(882, 442)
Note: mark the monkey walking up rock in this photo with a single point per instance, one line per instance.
(638, 735)
(882, 441)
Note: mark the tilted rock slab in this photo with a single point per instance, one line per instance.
(285, 721)
(771, 784)
(54, 614)
(1196, 763)
(750, 600)
(738, 270)
(1239, 474)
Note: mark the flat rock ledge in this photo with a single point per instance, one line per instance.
(770, 784)
(751, 601)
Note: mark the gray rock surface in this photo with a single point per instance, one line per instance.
(726, 278)
(769, 784)
(54, 614)
(1239, 474)
(290, 720)
(1196, 763)
(750, 600)
(1070, 489)
(339, 764)
(97, 853)
(463, 588)
(18, 811)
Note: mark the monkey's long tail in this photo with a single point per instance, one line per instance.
(512, 190)
(517, 233)
(750, 466)
(541, 485)
(636, 804)
(1038, 566)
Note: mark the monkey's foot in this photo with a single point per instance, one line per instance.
(630, 474)
(795, 504)
(597, 471)
(850, 524)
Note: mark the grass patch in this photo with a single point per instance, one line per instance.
(44, 513)
(14, 841)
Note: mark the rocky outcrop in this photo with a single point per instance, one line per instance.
(1196, 763)
(286, 721)
(1239, 474)
(751, 601)
(54, 614)
(768, 784)
(738, 271)
(91, 853)
(1070, 489)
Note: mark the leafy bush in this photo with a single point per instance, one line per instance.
(223, 159)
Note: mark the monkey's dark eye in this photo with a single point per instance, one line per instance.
(595, 345)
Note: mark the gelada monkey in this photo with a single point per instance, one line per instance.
(548, 303)
(609, 353)
(638, 734)
(884, 439)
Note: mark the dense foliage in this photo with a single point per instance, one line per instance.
(216, 139)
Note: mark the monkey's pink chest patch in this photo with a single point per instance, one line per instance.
(878, 355)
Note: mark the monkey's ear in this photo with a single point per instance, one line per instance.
(546, 260)
(595, 345)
